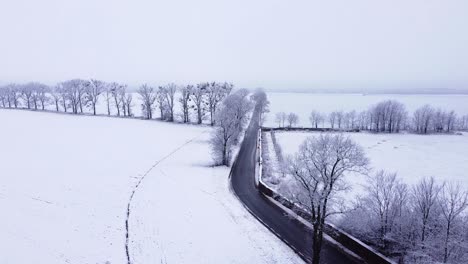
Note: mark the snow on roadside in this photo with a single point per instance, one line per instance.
(186, 213)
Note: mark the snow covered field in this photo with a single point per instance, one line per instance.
(303, 103)
(65, 182)
(411, 156)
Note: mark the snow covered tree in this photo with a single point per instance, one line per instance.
(168, 94)
(425, 195)
(215, 93)
(127, 99)
(116, 90)
(423, 118)
(292, 119)
(184, 100)
(161, 102)
(42, 91)
(280, 118)
(107, 97)
(198, 98)
(74, 90)
(148, 97)
(27, 91)
(332, 117)
(55, 93)
(319, 170)
(93, 91)
(261, 99)
(453, 201)
(231, 118)
(316, 118)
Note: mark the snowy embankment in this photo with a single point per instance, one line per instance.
(411, 156)
(66, 181)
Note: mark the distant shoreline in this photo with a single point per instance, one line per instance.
(421, 92)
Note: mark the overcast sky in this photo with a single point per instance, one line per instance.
(268, 43)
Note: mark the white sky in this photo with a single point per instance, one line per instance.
(269, 43)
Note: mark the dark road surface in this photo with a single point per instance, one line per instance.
(292, 231)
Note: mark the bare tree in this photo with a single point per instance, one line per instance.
(319, 169)
(108, 96)
(184, 100)
(215, 93)
(42, 92)
(148, 96)
(93, 91)
(363, 120)
(122, 99)
(62, 89)
(453, 201)
(115, 90)
(198, 98)
(56, 96)
(339, 119)
(316, 118)
(280, 118)
(423, 118)
(161, 102)
(332, 119)
(168, 92)
(425, 195)
(293, 119)
(14, 94)
(74, 91)
(386, 198)
(451, 118)
(127, 101)
(27, 91)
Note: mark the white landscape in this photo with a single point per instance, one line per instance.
(234, 132)
(64, 195)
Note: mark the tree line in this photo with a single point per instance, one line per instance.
(78, 94)
(388, 116)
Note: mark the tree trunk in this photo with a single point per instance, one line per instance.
(316, 243)
(199, 115)
(446, 242)
(94, 108)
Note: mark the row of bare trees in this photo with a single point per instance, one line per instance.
(286, 120)
(388, 116)
(77, 94)
(423, 223)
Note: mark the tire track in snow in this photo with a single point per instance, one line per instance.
(135, 188)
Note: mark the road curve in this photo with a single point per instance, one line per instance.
(291, 231)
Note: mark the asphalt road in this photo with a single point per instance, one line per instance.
(291, 231)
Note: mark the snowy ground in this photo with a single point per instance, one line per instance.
(411, 156)
(303, 103)
(65, 182)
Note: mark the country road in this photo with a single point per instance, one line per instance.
(290, 230)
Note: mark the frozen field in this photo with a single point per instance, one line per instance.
(303, 103)
(65, 182)
(411, 156)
